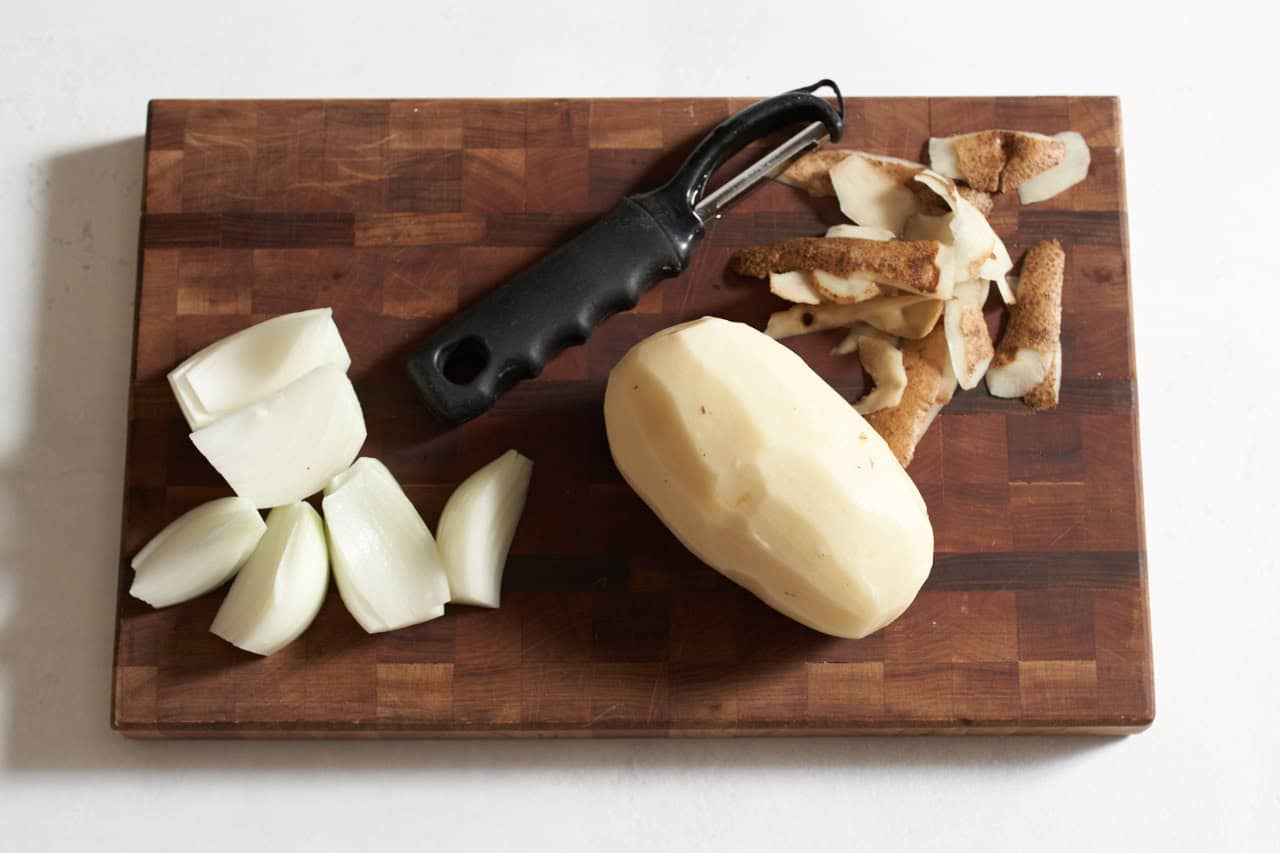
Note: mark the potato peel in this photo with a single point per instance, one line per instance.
(795, 286)
(875, 191)
(1072, 170)
(926, 364)
(996, 160)
(882, 360)
(905, 316)
(1034, 334)
(919, 266)
(811, 172)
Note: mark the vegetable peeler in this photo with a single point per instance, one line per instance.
(557, 302)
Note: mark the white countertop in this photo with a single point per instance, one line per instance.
(1200, 133)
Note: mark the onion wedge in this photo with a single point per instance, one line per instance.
(278, 593)
(197, 552)
(477, 526)
(287, 446)
(386, 564)
(254, 363)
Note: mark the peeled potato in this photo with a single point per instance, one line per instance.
(768, 475)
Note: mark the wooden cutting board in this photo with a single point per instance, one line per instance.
(396, 213)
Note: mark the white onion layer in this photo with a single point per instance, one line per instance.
(278, 593)
(477, 526)
(385, 561)
(285, 447)
(196, 552)
(254, 363)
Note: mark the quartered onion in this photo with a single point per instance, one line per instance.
(197, 552)
(477, 526)
(255, 363)
(286, 446)
(385, 560)
(278, 593)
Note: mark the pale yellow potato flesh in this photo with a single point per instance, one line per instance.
(795, 286)
(871, 190)
(768, 475)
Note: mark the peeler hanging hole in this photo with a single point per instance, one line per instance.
(465, 360)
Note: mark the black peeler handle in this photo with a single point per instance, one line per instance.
(511, 334)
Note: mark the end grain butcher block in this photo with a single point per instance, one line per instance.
(396, 213)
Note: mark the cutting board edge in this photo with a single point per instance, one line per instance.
(1100, 728)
